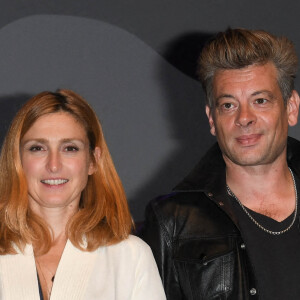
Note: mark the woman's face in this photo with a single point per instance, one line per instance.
(56, 160)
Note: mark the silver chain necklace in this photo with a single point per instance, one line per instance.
(255, 222)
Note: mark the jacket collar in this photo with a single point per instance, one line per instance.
(209, 173)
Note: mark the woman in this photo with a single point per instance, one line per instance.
(64, 219)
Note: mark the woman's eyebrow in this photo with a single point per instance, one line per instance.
(46, 141)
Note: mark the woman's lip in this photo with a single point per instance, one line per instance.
(249, 139)
(54, 181)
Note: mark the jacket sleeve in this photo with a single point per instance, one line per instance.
(158, 236)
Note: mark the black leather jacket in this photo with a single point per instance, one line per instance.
(195, 236)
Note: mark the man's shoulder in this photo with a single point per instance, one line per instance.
(293, 157)
(184, 212)
(179, 202)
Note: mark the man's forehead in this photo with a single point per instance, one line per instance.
(254, 79)
(257, 66)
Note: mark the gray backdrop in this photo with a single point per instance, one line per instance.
(134, 61)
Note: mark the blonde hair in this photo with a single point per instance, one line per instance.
(103, 217)
(239, 48)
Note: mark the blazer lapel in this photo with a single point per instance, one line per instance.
(73, 273)
(18, 276)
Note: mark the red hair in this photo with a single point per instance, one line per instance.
(103, 217)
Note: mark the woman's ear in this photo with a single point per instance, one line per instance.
(93, 163)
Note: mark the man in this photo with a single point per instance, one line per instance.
(230, 230)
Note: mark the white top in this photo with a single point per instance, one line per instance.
(125, 271)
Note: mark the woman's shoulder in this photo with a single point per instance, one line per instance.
(132, 248)
(132, 243)
(135, 241)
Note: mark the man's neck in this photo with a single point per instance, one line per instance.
(266, 189)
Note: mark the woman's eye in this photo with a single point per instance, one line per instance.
(36, 148)
(71, 149)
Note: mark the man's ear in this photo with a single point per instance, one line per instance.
(93, 163)
(293, 108)
(208, 111)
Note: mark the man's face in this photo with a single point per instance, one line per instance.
(249, 117)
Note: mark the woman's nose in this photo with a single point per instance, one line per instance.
(54, 162)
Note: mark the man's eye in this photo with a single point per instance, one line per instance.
(71, 149)
(261, 101)
(227, 105)
(35, 148)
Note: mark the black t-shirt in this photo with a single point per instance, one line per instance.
(275, 258)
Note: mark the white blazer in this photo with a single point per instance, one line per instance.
(125, 271)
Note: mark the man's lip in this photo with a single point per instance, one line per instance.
(249, 139)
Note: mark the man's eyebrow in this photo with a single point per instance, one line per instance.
(223, 96)
(270, 94)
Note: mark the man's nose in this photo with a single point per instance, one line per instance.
(245, 116)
